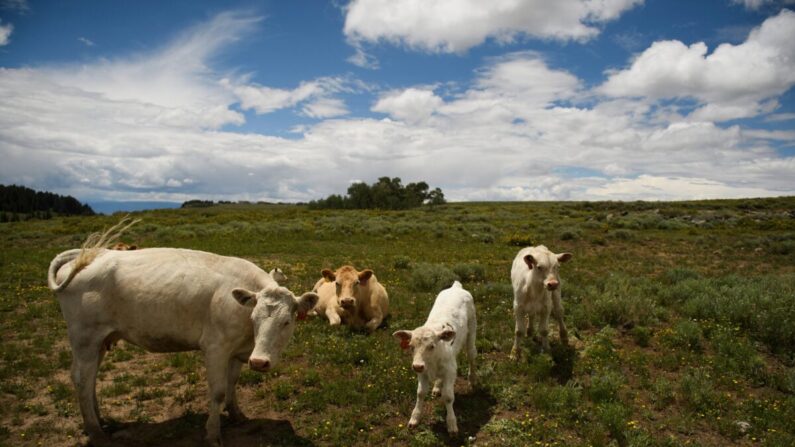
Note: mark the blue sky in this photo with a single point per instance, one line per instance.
(501, 100)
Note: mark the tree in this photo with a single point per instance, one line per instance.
(436, 197)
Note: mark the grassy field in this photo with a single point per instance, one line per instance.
(682, 322)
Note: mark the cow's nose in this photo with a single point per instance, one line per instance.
(259, 364)
(552, 285)
(346, 302)
(418, 368)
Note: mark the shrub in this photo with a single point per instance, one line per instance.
(402, 262)
(570, 234)
(697, 391)
(685, 334)
(431, 277)
(470, 272)
(604, 387)
(764, 307)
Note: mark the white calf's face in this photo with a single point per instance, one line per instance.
(274, 311)
(425, 344)
(545, 266)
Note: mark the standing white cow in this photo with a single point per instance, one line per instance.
(536, 293)
(168, 300)
(436, 344)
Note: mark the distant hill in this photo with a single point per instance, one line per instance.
(20, 202)
(110, 206)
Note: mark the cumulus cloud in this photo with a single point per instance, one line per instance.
(86, 41)
(734, 81)
(458, 25)
(5, 34)
(411, 104)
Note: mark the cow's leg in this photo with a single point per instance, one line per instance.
(85, 363)
(520, 316)
(217, 364)
(543, 329)
(102, 351)
(437, 388)
(449, 397)
(375, 321)
(472, 352)
(232, 408)
(557, 314)
(422, 390)
(333, 317)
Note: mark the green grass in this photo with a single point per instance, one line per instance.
(681, 319)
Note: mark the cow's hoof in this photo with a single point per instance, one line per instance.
(413, 424)
(102, 440)
(237, 417)
(214, 441)
(452, 433)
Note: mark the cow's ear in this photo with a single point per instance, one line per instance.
(329, 275)
(447, 335)
(365, 275)
(244, 296)
(404, 337)
(564, 257)
(530, 261)
(305, 303)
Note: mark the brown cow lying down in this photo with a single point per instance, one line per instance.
(121, 246)
(351, 297)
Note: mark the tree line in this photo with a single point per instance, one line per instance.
(19, 203)
(387, 193)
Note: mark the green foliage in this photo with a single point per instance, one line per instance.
(470, 272)
(19, 200)
(431, 277)
(677, 329)
(386, 194)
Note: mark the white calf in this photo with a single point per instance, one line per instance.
(435, 346)
(536, 293)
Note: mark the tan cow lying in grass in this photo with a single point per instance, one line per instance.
(351, 297)
(169, 300)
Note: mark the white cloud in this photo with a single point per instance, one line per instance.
(519, 129)
(325, 108)
(734, 81)
(86, 41)
(412, 104)
(647, 187)
(457, 25)
(5, 34)
(318, 92)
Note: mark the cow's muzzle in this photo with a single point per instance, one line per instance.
(347, 303)
(260, 365)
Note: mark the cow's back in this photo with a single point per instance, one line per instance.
(162, 299)
(373, 296)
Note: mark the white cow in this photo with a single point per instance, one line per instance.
(168, 300)
(436, 344)
(536, 293)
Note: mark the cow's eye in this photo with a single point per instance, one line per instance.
(356, 282)
(430, 347)
(286, 323)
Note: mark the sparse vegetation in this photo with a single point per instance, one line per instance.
(681, 322)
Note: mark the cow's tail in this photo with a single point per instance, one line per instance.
(84, 256)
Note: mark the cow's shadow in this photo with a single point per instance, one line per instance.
(188, 431)
(473, 410)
